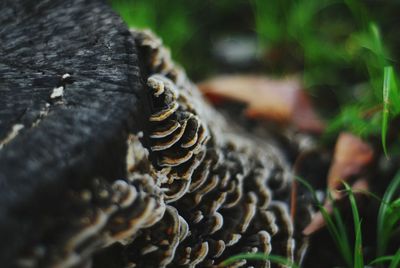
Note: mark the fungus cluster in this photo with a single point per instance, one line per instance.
(107, 213)
(198, 189)
(225, 193)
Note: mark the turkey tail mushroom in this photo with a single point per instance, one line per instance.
(177, 137)
(220, 182)
(110, 213)
(198, 189)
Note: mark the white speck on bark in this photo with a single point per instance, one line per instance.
(57, 92)
(13, 133)
(65, 76)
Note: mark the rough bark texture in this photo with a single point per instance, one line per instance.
(76, 182)
(62, 142)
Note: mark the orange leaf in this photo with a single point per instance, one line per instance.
(352, 155)
(282, 101)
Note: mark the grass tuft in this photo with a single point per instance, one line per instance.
(389, 215)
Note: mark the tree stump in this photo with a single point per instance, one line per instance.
(110, 157)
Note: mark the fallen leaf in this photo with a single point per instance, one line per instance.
(282, 101)
(351, 156)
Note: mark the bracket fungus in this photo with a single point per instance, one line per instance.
(199, 189)
(184, 188)
(108, 214)
(222, 187)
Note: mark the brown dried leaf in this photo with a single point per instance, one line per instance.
(352, 155)
(282, 101)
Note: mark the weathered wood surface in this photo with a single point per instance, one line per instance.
(66, 140)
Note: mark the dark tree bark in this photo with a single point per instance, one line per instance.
(63, 141)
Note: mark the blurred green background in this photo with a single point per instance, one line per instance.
(339, 47)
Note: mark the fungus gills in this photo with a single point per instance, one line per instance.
(197, 189)
(226, 192)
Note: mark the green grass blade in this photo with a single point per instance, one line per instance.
(342, 237)
(387, 78)
(383, 232)
(396, 203)
(336, 228)
(260, 257)
(391, 102)
(377, 48)
(309, 188)
(394, 94)
(359, 11)
(381, 260)
(337, 231)
(393, 217)
(342, 243)
(358, 250)
(365, 192)
(396, 260)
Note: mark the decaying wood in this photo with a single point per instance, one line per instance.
(53, 144)
(110, 157)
